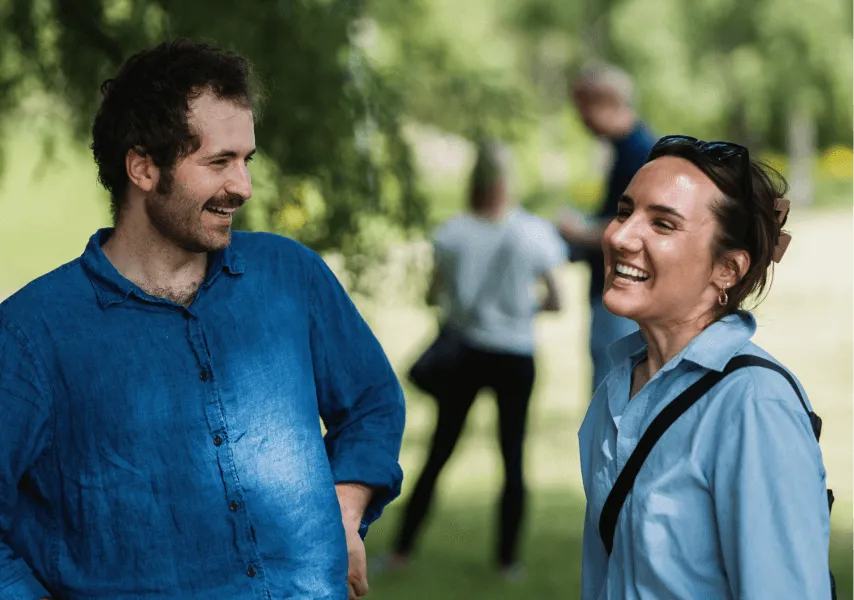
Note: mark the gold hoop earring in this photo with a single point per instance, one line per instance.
(723, 298)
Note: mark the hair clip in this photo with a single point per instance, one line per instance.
(781, 208)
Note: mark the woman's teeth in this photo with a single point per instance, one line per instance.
(631, 272)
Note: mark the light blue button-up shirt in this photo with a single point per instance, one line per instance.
(731, 502)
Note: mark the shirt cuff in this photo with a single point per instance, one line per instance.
(374, 469)
(25, 588)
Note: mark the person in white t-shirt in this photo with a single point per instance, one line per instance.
(488, 262)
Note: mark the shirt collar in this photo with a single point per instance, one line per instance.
(112, 287)
(711, 349)
(637, 132)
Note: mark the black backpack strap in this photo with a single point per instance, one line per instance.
(675, 409)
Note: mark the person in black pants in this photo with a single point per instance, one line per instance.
(512, 378)
(487, 262)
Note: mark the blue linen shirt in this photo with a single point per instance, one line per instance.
(731, 502)
(152, 450)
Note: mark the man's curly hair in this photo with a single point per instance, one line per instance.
(145, 107)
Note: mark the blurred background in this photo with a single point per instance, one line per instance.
(365, 145)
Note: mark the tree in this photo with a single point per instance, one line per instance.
(717, 67)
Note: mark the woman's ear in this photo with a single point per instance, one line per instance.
(731, 268)
(141, 170)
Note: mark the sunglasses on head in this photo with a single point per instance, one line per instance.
(716, 150)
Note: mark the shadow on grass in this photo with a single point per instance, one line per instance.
(455, 555)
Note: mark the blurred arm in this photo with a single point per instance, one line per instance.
(434, 289)
(552, 302)
(580, 233)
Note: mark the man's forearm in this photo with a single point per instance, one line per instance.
(354, 499)
(592, 236)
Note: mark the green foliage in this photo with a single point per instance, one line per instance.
(325, 112)
(333, 159)
(345, 79)
(714, 67)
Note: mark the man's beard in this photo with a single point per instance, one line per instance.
(177, 216)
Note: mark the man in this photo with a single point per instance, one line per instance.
(160, 394)
(604, 97)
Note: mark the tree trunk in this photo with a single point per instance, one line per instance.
(802, 151)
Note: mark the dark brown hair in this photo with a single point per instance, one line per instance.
(744, 223)
(489, 171)
(145, 107)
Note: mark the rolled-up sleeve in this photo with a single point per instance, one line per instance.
(770, 501)
(24, 433)
(359, 397)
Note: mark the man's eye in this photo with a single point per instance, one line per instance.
(249, 159)
(664, 225)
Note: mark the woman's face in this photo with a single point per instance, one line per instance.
(658, 249)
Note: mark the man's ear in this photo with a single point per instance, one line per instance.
(141, 170)
(731, 268)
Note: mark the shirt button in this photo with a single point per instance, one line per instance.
(251, 571)
(203, 375)
(217, 440)
(233, 506)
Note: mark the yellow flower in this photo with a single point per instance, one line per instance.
(837, 162)
(291, 217)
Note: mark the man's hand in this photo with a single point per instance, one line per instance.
(357, 575)
(354, 498)
(571, 225)
(575, 229)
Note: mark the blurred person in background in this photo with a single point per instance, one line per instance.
(488, 262)
(161, 393)
(731, 501)
(604, 97)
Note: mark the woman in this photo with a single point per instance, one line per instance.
(731, 501)
(487, 262)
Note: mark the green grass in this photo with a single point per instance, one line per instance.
(50, 210)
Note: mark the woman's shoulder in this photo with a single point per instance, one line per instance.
(452, 228)
(764, 383)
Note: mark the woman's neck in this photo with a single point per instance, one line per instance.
(666, 340)
(492, 213)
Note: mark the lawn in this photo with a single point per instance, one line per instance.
(50, 210)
